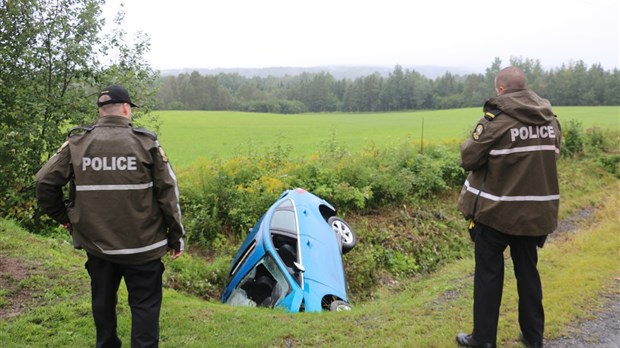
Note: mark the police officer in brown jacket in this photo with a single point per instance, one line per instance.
(123, 209)
(511, 198)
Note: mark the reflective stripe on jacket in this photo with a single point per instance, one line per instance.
(123, 199)
(513, 184)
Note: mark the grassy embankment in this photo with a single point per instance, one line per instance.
(52, 288)
(48, 281)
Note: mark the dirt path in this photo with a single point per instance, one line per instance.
(604, 330)
(15, 297)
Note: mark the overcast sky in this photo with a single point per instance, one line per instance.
(294, 33)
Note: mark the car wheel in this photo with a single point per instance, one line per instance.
(339, 306)
(347, 236)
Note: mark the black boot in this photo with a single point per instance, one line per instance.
(529, 344)
(466, 340)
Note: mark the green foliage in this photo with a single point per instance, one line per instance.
(605, 146)
(611, 164)
(414, 234)
(223, 199)
(49, 72)
(572, 138)
(229, 197)
(274, 106)
(195, 276)
(362, 271)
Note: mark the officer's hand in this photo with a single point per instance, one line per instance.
(66, 226)
(174, 254)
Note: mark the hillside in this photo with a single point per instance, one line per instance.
(44, 299)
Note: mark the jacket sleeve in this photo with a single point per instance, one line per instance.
(558, 140)
(475, 150)
(167, 191)
(49, 183)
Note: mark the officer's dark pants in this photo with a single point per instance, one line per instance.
(489, 282)
(144, 285)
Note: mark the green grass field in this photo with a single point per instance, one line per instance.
(189, 135)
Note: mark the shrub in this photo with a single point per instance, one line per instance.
(611, 164)
(572, 139)
(361, 271)
(195, 276)
(223, 199)
(279, 106)
(229, 197)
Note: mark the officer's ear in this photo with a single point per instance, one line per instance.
(126, 108)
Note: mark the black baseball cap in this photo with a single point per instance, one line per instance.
(117, 95)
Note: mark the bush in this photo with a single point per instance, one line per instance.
(361, 271)
(611, 164)
(279, 106)
(572, 139)
(229, 197)
(411, 233)
(195, 276)
(223, 199)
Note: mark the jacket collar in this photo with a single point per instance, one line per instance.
(114, 121)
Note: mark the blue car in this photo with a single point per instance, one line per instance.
(292, 258)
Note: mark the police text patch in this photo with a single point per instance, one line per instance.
(109, 163)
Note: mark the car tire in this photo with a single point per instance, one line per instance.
(340, 306)
(346, 233)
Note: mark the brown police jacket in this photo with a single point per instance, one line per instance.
(513, 183)
(123, 195)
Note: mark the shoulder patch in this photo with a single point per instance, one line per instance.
(79, 130)
(162, 153)
(65, 144)
(145, 132)
(477, 131)
(491, 114)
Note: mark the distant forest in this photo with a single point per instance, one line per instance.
(403, 89)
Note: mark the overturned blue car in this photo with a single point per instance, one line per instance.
(292, 258)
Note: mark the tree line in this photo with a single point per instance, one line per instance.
(570, 85)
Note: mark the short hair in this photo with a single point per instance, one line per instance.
(108, 109)
(511, 78)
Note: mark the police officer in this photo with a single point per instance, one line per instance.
(511, 198)
(123, 209)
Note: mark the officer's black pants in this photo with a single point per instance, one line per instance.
(489, 282)
(144, 285)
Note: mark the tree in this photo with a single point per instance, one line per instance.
(49, 76)
(316, 91)
(397, 92)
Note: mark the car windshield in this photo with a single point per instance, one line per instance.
(283, 218)
(264, 286)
